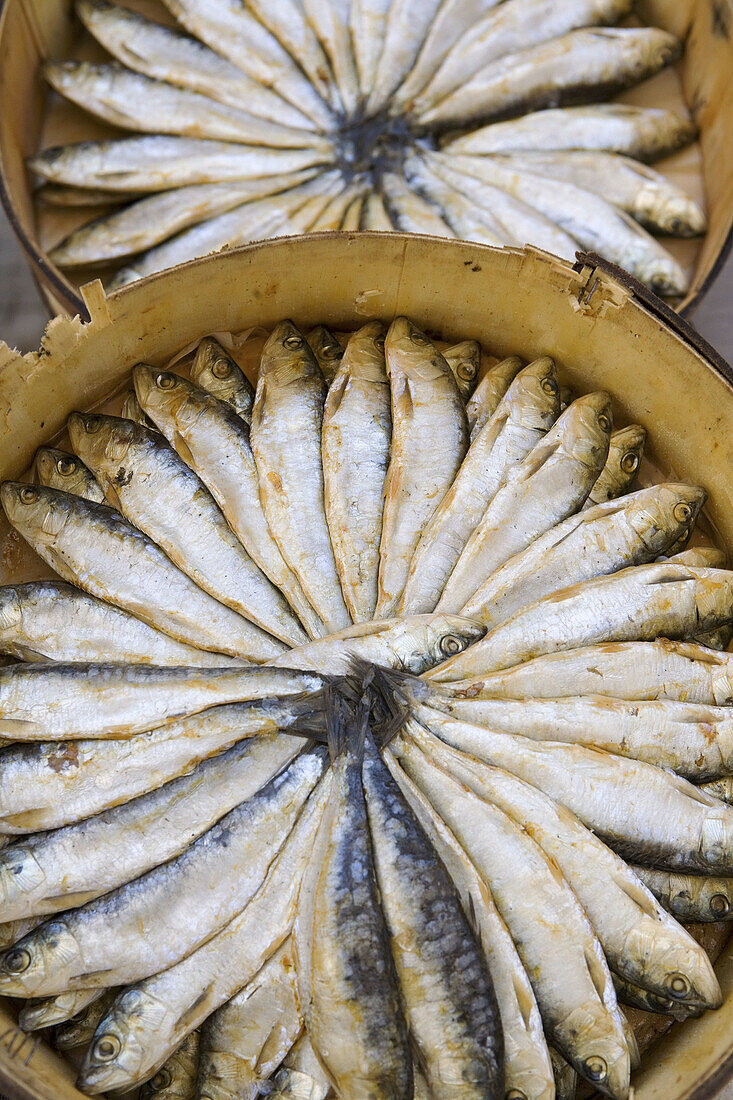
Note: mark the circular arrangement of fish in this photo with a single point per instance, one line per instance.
(477, 119)
(373, 738)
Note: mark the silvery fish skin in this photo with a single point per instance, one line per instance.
(464, 360)
(638, 938)
(368, 23)
(522, 418)
(328, 351)
(644, 999)
(374, 215)
(55, 702)
(71, 866)
(135, 102)
(513, 28)
(347, 982)
(78, 1031)
(445, 983)
(54, 621)
(48, 1011)
(215, 371)
(615, 535)
(682, 671)
(234, 32)
(554, 938)
(166, 54)
(355, 442)
(333, 214)
(410, 212)
(214, 441)
(301, 1075)
(55, 194)
(721, 788)
(59, 470)
(588, 218)
(147, 222)
(93, 546)
(690, 898)
(286, 443)
(489, 392)
(407, 24)
(244, 1041)
(51, 783)
(582, 64)
(330, 21)
(644, 813)
(162, 496)
(159, 162)
(176, 1079)
(547, 486)
(122, 937)
(644, 133)
(287, 214)
(148, 1021)
(467, 220)
(526, 1059)
(641, 603)
(624, 456)
(648, 196)
(351, 220)
(426, 406)
(699, 556)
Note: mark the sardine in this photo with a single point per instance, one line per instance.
(244, 1041)
(53, 621)
(347, 984)
(409, 211)
(720, 788)
(374, 215)
(159, 162)
(464, 360)
(176, 1079)
(160, 494)
(301, 1076)
(522, 418)
(93, 546)
(214, 370)
(510, 30)
(148, 1021)
(356, 445)
(709, 557)
(331, 217)
(330, 21)
(71, 866)
(647, 1001)
(78, 1031)
(580, 65)
(56, 194)
(132, 410)
(407, 24)
(59, 470)
(49, 1011)
(641, 603)
(368, 24)
(156, 921)
(166, 54)
(690, 898)
(566, 1079)
(327, 350)
(426, 406)
(489, 392)
(644, 133)
(547, 486)
(135, 102)
(467, 220)
(624, 455)
(286, 443)
(633, 530)
(450, 1004)
(553, 935)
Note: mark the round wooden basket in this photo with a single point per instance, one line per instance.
(602, 334)
(33, 30)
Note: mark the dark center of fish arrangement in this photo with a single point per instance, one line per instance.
(475, 119)
(374, 738)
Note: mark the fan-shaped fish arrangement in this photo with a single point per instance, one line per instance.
(373, 736)
(480, 119)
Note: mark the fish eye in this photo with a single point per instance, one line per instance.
(379, 342)
(719, 905)
(419, 338)
(66, 466)
(682, 512)
(221, 369)
(162, 1080)
(107, 1048)
(467, 371)
(604, 422)
(165, 381)
(515, 1094)
(17, 960)
(549, 385)
(293, 342)
(630, 462)
(678, 986)
(450, 645)
(333, 351)
(595, 1068)
(91, 425)
(28, 495)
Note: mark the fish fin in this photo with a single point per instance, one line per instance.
(538, 457)
(18, 727)
(340, 709)
(392, 693)
(336, 393)
(308, 715)
(402, 405)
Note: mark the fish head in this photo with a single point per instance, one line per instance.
(287, 355)
(59, 470)
(412, 352)
(20, 872)
(169, 399)
(116, 1055)
(48, 953)
(216, 372)
(105, 443)
(325, 344)
(668, 516)
(585, 429)
(534, 396)
(11, 611)
(678, 216)
(661, 47)
(678, 970)
(77, 1031)
(36, 508)
(467, 357)
(597, 1049)
(427, 640)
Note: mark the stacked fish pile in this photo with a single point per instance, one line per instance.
(448, 117)
(515, 667)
